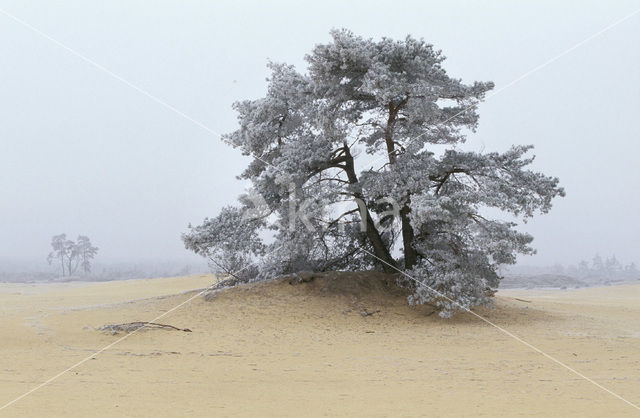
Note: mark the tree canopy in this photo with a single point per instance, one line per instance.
(72, 255)
(355, 166)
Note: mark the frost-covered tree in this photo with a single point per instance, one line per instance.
(62, 252)
(72, 255)
(85, 252)
(229, 241)
(355, 166)
(631, 269)
(613, 266)
(597, 265)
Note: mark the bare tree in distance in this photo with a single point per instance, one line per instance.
(72, 255)
(61, 251)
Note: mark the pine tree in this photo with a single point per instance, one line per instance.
(348, 169)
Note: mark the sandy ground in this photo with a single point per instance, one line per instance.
(306, 350)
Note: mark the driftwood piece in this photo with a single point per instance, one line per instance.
(137, 325)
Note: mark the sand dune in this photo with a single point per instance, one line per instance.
(305, 349)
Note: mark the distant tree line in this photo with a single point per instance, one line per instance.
(72, 256)
(609, 268)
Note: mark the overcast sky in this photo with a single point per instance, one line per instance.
(82, 152)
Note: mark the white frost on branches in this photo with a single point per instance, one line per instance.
(308, 136)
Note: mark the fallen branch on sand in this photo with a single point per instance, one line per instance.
(365, 312)
(134, 326)
(523, 300)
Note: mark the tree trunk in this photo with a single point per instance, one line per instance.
(379, 248)
(410, 254)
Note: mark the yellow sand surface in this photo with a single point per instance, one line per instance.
(281, 349)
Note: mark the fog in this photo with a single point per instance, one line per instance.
(83, 152)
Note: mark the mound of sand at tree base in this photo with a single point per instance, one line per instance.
(354, 289)
(305, 349)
